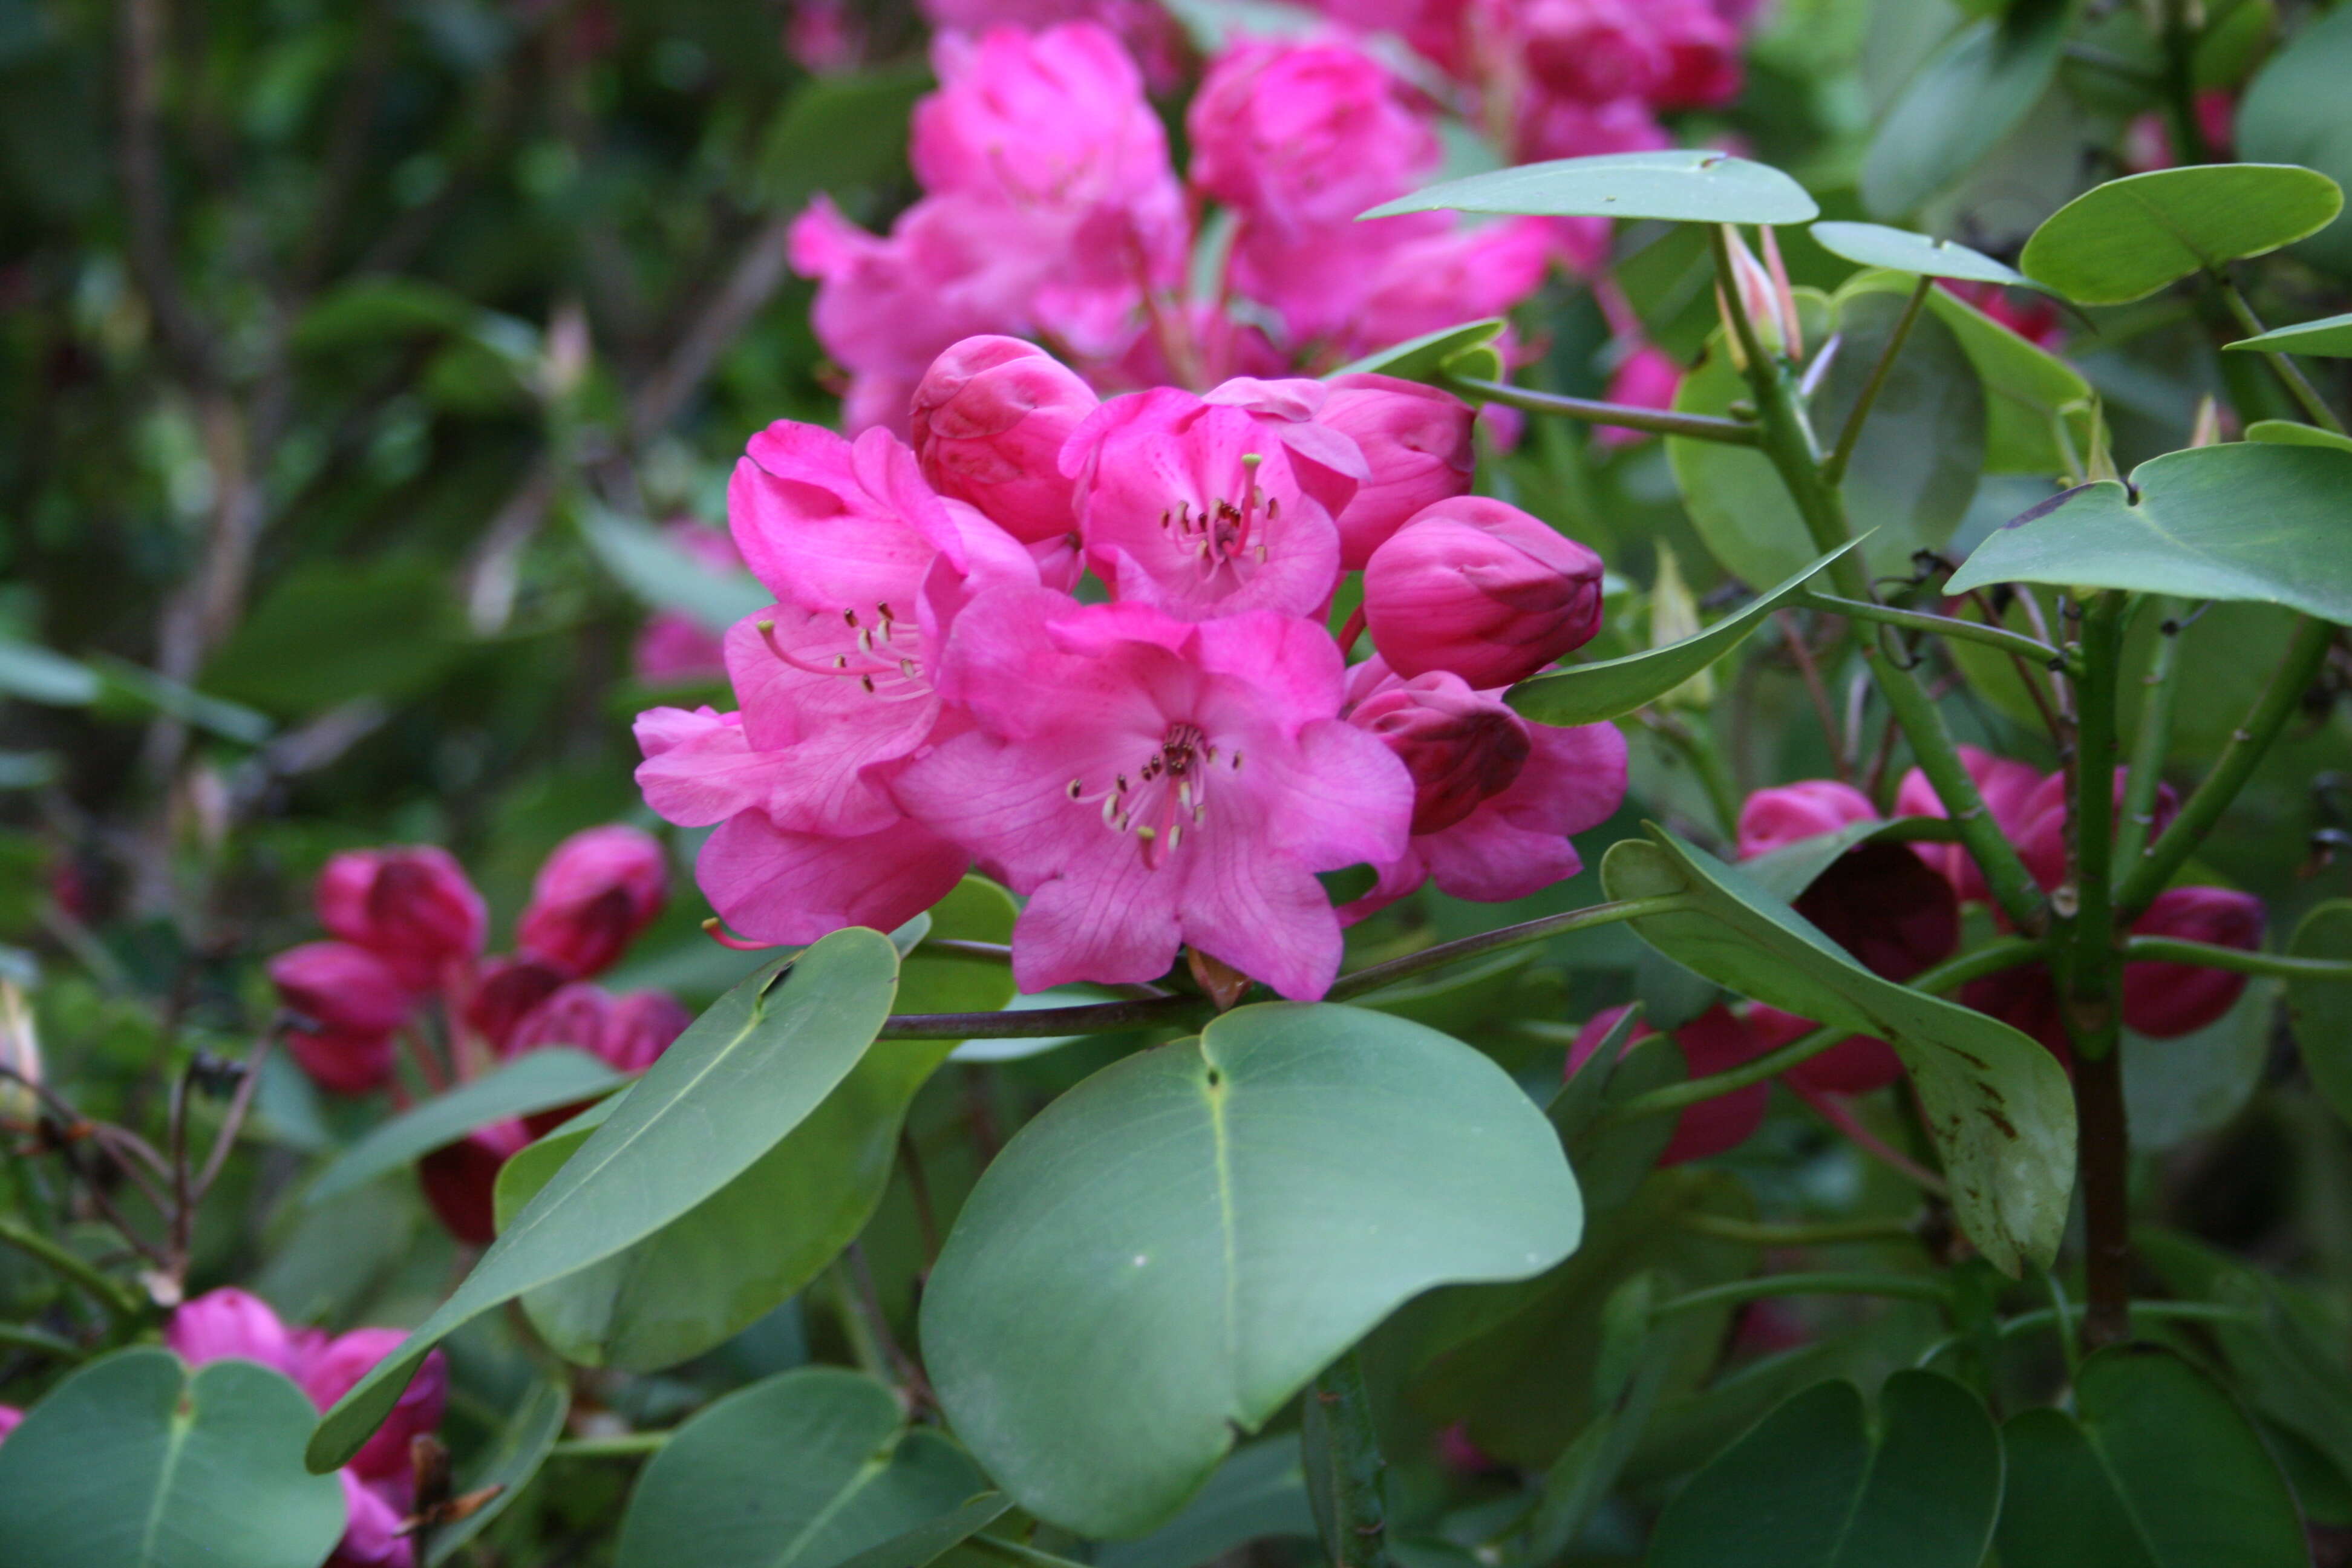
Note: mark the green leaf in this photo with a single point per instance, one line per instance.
(742, 1077)
(136, 1462)
(2327, 338)
(1683, 184)
(515, 1455)
(1912, 477)
(2293, 113)
(2157, 1469)
(665, 577)
(1996, 1105)
(1589, 693)
(1638, 1356)
(330, 633)
(800, 1470)
(2289, 432)
(372, 310)
(712, 1272)
(1171, 1250)
(131, 691)
(1972, 92)
(837, 133)
(935, 1537)
(1467, 350)
(539, 1080)
(2129, 238)
(2037, 406)
(930, 981)
(1259, 1491)
(2319, 1012)
(2194, 1084)
(1900, 250)
(32, 672)
(1813, 1486)
(2246, 521)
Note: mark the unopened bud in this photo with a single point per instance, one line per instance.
(1479, 588)
(410, 905)
(592, 897)
(20, 1055)
(347, 1003)
(988, 422)
(1460, 746)
(1416, 441)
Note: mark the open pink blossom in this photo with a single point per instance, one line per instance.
(1305, 135)
(1055, 118)
(594, 894)
(1496, 800)
(1200, 508)
(1417, 451)
(1148, 782)
(1716, 1041)
(410, 905)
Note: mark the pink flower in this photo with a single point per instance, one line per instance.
(1053, 119)
(329, 1373)
(592, 897)
(1647, 379)
(2003, 784)
(1552, 125)
(1299, 136)
(1480, 588)
(352, 1002)
(989, 423)
(1789, 814)
(2031, 316)
(10, 1419)
(411, 907)
(1855, 1065)
(372, 1524)
(507, 992)
(1415, 441)
(823, 38)
(229, 1322)
(1716, 1041)
(460, 1178)
(1148, 782)
(1201, 508)
(2166, 1000)
(1496, 799)
(628, 1032)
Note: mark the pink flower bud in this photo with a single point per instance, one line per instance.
(594, 894)
(1416, 442)
(228, 1323)
(1716, 1041)
(576, 1016)
(1460, 747)
(350, 1003)
(459, 1180)
(335, 1368)
(1789, 814)
(509, 988)
(411, 907)
(2003, 784)
(2165, 1000)
(1480, 588)
(989, 421)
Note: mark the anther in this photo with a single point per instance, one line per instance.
(1147, 834)
(867, 682)
(1073, 790)
(763, 627)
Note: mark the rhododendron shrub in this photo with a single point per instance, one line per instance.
(837, 784)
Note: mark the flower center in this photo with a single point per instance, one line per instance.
(881, 652)
(1224, 537)
(1166, 797)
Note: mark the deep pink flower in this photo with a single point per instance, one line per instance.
(1051, 119)
(2004, 785)
(508, 989)
(989, 423)
(2032, 316)
(1200, 508)
(2165, 1000)
(628, 1032)
(1478, 587)
(228, 1323)
(1145, 27)
(334, 1369)
(11, 1417)
(460, 1178)
(1416, 446)
(352, 1002)
(1788, 813)
(1555, 125)
(1716, 1041)
(1305, 135)
(1670, 53)
(644, 1024)
(1855, 1065)
(592, 897)
(1647, 379)
(823, 38)
(1147, 782)
(1497, 803)
(411, 907)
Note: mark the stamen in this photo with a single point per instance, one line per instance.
(1175, 836)
(1147, 834)
(867, 682)
(1074, 789)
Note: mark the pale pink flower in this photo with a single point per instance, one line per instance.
(1303, 136)
(1148, 781)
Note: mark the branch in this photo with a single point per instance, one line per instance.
(1658, 421)
(2237, 960)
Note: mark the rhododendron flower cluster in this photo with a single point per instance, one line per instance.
(406, 964)
(1173, 766)
(379, 1483)
(1051, 211)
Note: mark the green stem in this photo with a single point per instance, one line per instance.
(1341, 1444)
(2153, 1311)
(2203, 808)
(121, 1304)
(620, 1446)
(1624, 416)
(23, 1339)
(957, 947)
(1374, 977)
(2180, 85)
(1833, 469)
(1706, 760)
(2207, 955)
(2004, 952)
(2290, 375)
(1788, 441)
(2160, 696)
(1910, 1287)
(1819, 1233)
(1942, 626)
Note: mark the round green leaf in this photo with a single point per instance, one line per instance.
(930, 981)
(1259, 1491)
(2160, 1470)
(1971, 94)
(2289, 433)
(136, 1462)
(801, 1470)
(1996, 1105)
(1813, 1486)
(2246, 521)
(2319, 1012)
(725, 1093)
(542, 1080)
(2129, 238)
(2295, 113)
(1680, 185)
(1900, 250)
(1174, 1248)
(2327, 338)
